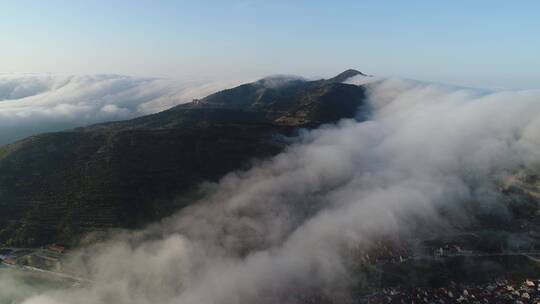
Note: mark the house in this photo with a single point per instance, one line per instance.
(56, 248)
(9, 261)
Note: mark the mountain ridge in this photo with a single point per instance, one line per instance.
(55, 187)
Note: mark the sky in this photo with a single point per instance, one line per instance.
(490, 44)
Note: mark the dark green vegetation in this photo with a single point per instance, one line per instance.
(56, 187)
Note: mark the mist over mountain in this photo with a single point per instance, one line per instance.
(38, 103)
(353, 182)
(59, 186)
(269, 152)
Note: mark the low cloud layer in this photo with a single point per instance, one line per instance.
(427, 162)
(31, 104)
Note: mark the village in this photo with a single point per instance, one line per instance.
(458, 272)
(499, 291)
(45, 260)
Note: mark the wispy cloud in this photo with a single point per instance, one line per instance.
(288, 225)
(31, 104)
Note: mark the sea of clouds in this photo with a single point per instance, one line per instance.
(37, 103)
(427, 161)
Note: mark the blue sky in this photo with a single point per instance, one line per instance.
(492, 44)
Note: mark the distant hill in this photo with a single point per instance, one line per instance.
(57, 186)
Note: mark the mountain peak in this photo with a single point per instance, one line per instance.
(346, 75)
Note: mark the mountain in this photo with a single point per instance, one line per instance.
(56, 187)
